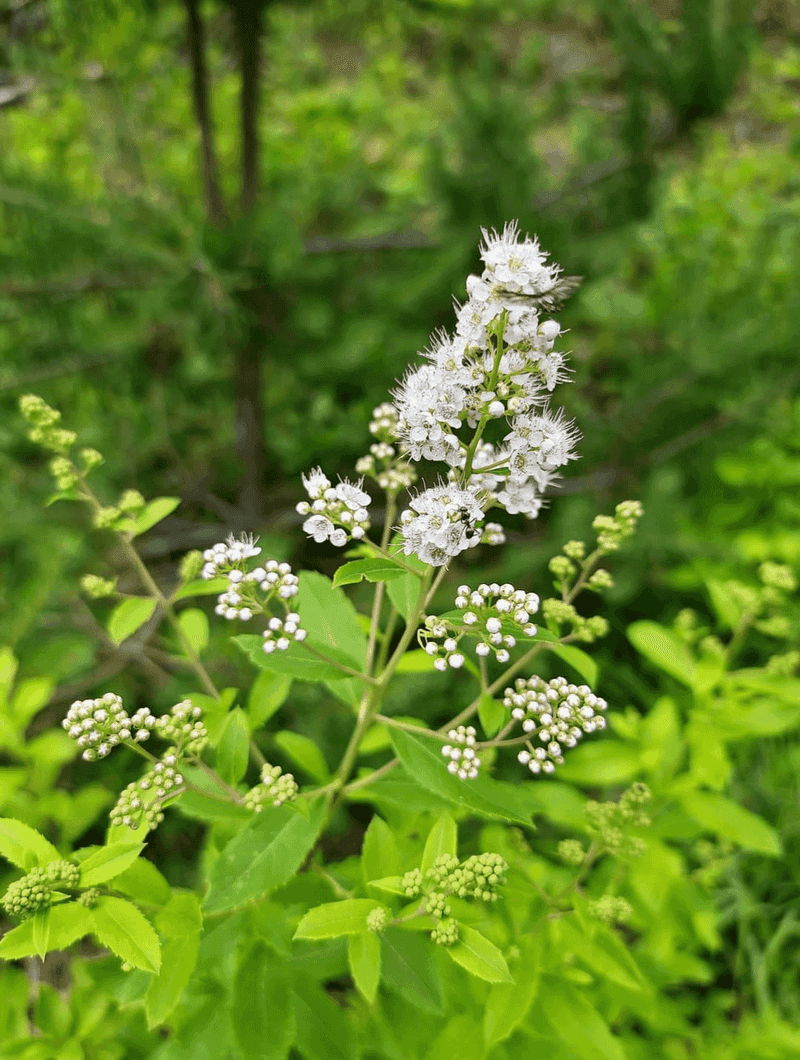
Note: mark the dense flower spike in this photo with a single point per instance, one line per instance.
(557, 712)
(276, 787)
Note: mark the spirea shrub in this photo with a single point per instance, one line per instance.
(471, 433)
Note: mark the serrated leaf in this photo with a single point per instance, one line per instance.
(410, 970)
(41, 931)
(18, 840)
(373, 570)
(153, 513)
(304, 753)
(265, 854)
(194, 626)
(129, 616)
(294, 662)
(233, 750)
(442, 839)
(364, 960)
(330, 619)
(380, 855)
(324, 1031)
(267, 695)
(479, 956)
(180, 923)
(121, 927)
(583, 664)
(69, 922)
(263, 1009)
(108, 862)
(334, 919)
(421, 756)
(143, 882)
(718, 814)
(387, 885)
(508, 1003)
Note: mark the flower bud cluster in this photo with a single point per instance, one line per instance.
(377, 919)
(336, 513)
(495, 614)
(463, 760)
(141, 803)
(391, 471)
(445, 932)
(64, 874)
(97, 588)
(610, 908)
(98, 725)
(34, 891)
(239, 600)
(182, 727)
(275, 787)
(571, 851)
(610, 821)
(613, 529)
(281, 632)
(478, 877)
(557, 712)
(586, 630)
(43, 429)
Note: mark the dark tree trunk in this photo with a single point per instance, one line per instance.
(215, 205)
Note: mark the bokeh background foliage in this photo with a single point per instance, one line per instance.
(226, 229)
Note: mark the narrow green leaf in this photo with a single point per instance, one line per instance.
(373, 570)
(69, 922)
(583, 664)
(324, 1031)
(121, 927)
(663, 648)
(41, 931)
(330, 618)
(267, 695)
(264, 855)
(18, 840)
(508, 1003)
(415, 662)
(479, 956)
(29, 698)
(380, 855)
(304, 753)
(8, 670)
(421, 756)
(575, 1023)
(194, 626)
(294, 662)
(442, 839)
(129, 616)
(404, 591)
(233, 751)
(492, 715)
(387, 885)
(201, 587)
(364, 959)
(143, 882)
(334, 919)
(263, 1009)
(596, 956)
(108, 862)
(409, 969)
(180, 923)
(718, 814)
(606, 762)
(154, 512)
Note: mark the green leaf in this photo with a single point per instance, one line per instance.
(29, 698)
(334, 919)
(415, 662)
(153, 513)
(364, 959)
(18, 840)
(264, 855)
(442, 839)
(373, 570)
(304, 753)
(380, 855)
(607, 762)
(595, 954)
(575, 1023)
(323, 1028)
(404, 592)
(663, 648)
(388, 885)
(108, 862)
(296, 661)
(194, 625)
(121, 927)
(409, 969)
(180, 923)
(508, 1003)
(263, 1009)
(41, 931)
(267, 695)
(492, 714)
(143, 882)
(201, 587)
(129, 616)
(8, 670)
(718, 814)
(727, 604)
(421, 756)
(233, 752)
(479, 956)
(215, 711)
(69, 922)
(330, 619)
(583, 664)
(377, 737)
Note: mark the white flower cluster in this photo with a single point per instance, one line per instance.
(463, 760)
(558, 712)
(336, 513)
(487, 610)
(98, 725)
(390, 471)
(281, 632)
(230, 560)
(440, 523)
(276, 787)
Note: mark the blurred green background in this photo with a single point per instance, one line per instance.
(227, 227)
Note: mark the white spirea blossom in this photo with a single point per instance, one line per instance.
(440, 523)
(335, 513)
(495, 615)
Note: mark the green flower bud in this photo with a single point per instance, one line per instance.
(571, 851)
(377, 920)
